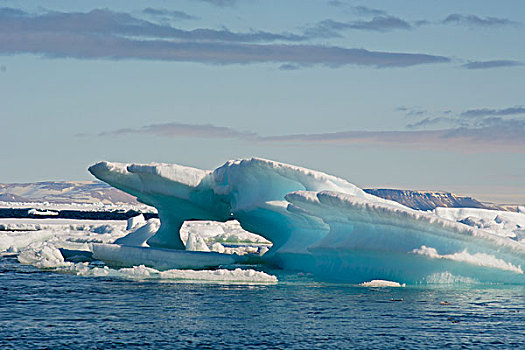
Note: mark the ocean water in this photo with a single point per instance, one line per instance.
(47, 310)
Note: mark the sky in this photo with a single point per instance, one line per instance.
(425, 95)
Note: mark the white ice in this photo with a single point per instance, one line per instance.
(41, 212)
(37, 241)
(382, 283)
(501, 223)
(141, 272)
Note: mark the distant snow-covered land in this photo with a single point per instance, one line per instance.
(61, 192)
(91, 194)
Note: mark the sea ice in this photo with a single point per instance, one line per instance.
(382, 283)
(140, 233)
(135, 221)
(42, 255)
(141, 272)
(44, 244)
(501, 223)
(196, 243)
(160, 258)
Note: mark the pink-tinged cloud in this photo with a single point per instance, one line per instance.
(509, 138)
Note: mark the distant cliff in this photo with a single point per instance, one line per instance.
(428, 200)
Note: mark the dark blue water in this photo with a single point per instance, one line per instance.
(46, 310)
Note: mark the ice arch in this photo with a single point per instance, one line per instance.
(179, 193)
(317, 222)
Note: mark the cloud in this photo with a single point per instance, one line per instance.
(176, 15)
(367, 11)
(288, 66)
(494, 131)
(432, 122)
(491, 64)
(488, 129)
(221, 3)
(484, 126)
(412, 112)
(498, 134)
(105, 22)
(86, 47)
(473, 115)
(175, 130)
(360, 10)
(336, 3)
(7, 11)
(331, 28)
(485, 112)
(103, 34)
(504, 134)
(472, 20)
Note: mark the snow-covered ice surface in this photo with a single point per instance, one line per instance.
(96, 206)
(382, 283)
(38, 242)
(142, 272)
(16, 234)
(322, 224)
(501, 223)
(160, 258)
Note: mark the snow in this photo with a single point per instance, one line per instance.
(47, 256)
(220, 275)
(15, 241)
(225, 232)
(20, 235)
(135, 221)
(91, 227)
(44, 255)
(140, 233)
(196, 243)
(479, 259)
(92, 206)
(159, 258)
(41, 212)
(217, 247)
(41, 246)
(501, 223)
(141, 272)
(320, 223)
(382, 283)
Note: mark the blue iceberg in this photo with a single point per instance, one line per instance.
(319, 223)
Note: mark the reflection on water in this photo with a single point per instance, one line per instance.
(41, 309)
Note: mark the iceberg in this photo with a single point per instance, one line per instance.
(316, 223)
